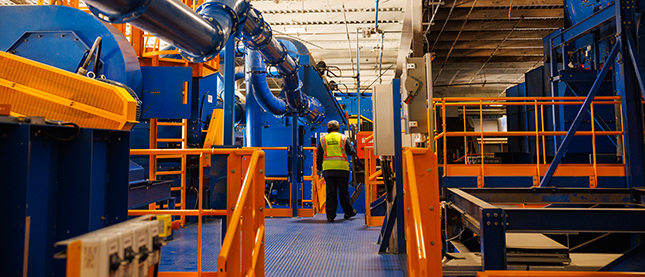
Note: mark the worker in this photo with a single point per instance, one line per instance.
(333, 150)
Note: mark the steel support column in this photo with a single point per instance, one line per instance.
(229, 92)
(293, 164)
(398, 165)
(627, 88)
(576, 122)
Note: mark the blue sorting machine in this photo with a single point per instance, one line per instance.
(599, 53)
(52, 188)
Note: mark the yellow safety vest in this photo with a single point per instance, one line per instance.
(334, 158)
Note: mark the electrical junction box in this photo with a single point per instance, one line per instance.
(384, 133)
(130, 248)
(416, 93)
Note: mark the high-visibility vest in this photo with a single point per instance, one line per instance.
(334, 158)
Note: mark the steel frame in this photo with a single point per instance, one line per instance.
(628, 81)
(565, 213)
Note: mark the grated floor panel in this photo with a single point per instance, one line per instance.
(295, 247)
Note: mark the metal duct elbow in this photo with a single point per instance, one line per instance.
(257, 35)
(199, 36)
(255, 71)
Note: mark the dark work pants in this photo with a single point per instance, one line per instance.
(337, 185)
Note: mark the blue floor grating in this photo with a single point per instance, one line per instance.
(295, 247)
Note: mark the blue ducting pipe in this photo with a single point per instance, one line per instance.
(257, 35)
(255, 71)
(200, 37)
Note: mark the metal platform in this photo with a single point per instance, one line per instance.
(296, 247)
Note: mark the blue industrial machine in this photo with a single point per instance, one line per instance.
(57, 192)
(597, 54)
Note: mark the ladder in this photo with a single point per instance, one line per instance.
(154, 140)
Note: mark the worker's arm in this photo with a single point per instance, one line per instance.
(319, 157)
(349, 147)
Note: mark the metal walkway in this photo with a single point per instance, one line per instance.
(296, 247)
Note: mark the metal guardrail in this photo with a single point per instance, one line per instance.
(248, 199)
(422, 212)
(509, 273)
(538, 104)
(318, 189)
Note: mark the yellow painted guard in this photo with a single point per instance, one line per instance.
(37, 89)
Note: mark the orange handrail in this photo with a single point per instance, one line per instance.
(509, 273)
(422, 212)
(252, 211)
(416, 208)
(316, 182)
(539, 132)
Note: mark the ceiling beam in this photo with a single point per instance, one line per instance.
(490, 44)
(489, 66)
(501, 3)
(483, 14)
(495, 59)
(491, 25)
(441, 54)
(347, 10)
(331, 22)
(482, 35)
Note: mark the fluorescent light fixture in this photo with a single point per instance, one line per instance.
(294, 30)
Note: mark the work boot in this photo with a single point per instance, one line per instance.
(330, 220)
(348, 216)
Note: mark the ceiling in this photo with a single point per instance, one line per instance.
(482, 47)
(329, 30)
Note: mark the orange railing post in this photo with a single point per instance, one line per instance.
(480, 179)
(246, 201)
(422, 212)
(247, 214)
(482, 170)
(594, 182)
(445, 139)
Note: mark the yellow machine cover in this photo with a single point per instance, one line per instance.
(37, 89)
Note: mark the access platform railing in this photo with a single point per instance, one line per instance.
(245, 217)
(540, 165)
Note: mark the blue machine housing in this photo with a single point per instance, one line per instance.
(57, 190)
(61, 37)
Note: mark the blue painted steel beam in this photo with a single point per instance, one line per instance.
(293, 170)
(576, 122)
(398, 164)
(492, 233)
(388, 226)
(627, 88)
(600, 122)
(229, 93)
(549, 195)
(597, 220)
(590, 24)
(640, 74)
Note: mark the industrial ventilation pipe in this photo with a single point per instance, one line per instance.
(200, 36)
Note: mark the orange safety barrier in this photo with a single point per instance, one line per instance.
(248, 199)
(537, 103)
(509, 273)
(422, 212)
(318, 190)
(372, 181)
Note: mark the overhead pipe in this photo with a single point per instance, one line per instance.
(200, 36)
(257, 80)
(257, 35)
